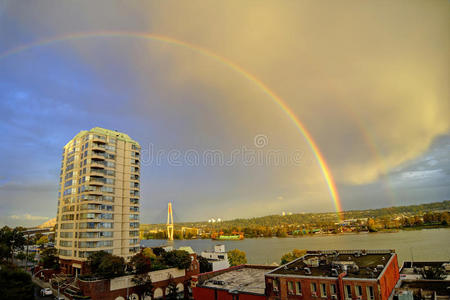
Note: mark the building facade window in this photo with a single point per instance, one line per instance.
(358, 290)
(323, 290)
(333, 290)
(348, 291)
(290, 287)
(313, 289)
(370, 295)
(298, 288)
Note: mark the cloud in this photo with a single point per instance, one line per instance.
(28, 217)
(369, 80)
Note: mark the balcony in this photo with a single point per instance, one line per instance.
(98, 155)
(98, 163)
(99, 139)
(97, 171)
(98, 147)
(97, 181)
(94, 190)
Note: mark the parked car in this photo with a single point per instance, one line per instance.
(46, 292)
(60, 298)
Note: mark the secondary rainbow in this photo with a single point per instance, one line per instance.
(280, 102)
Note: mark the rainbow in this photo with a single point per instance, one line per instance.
(280, 102)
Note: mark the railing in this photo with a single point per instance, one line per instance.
(98, 162)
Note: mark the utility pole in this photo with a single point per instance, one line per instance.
(170, 222)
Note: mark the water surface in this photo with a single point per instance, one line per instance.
(427, 244)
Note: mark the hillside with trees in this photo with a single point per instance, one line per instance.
(267, 223)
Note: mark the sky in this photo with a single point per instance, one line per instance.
(367, 79)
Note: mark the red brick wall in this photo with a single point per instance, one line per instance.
(390, 277)
(203, 293)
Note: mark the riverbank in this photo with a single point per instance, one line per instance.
(393, 230)
(431, 244)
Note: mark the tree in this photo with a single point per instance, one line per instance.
(148, 252)
(172, 289)
(237, 257)
(371, 225)
(42, 241)
(159, 251)
(15, 284)
(95, 259)
(21, 255)
(177, 258)
(205, 265)
(141, 263)
(49, 258)
(434, 273)
(11, 239)
(104, 264)
(111, 266)
(290, 256)
(143, 285)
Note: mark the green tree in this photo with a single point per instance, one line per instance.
(111, 266)
(172, 287)
(205, 265)
(49, 258)
(21, 255)
(143, 285)
(159, 251)
(237, 257)
(42, 241)
(148, 252)
(177, 258)
(290, 256)
(11, 239)
(15, 284)
(95, 259)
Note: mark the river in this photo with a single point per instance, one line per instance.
(426, 244)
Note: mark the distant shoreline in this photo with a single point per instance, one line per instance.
(332, 234)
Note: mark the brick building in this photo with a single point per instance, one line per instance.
(335, 275)
(245, 282)
(121, 288)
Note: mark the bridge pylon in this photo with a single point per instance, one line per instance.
(170, 222)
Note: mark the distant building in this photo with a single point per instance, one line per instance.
(218, 258)
(342, 274)
(98, 198)
(245, 282)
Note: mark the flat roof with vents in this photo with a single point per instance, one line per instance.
(355, 263)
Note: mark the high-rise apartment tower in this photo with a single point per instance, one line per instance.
(98, 198)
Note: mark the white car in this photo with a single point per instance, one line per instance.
(46, 292)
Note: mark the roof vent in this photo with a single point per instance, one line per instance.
(307, 270)
(334, 272)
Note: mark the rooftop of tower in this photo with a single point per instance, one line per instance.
(113, 133)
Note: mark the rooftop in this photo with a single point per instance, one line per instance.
(415, 267)
(441, 287)
(118, 135)
(356, 263)
(243, 279)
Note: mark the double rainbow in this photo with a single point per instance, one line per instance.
(230, 64)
